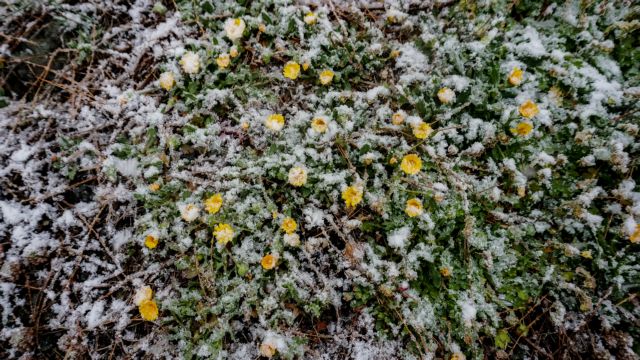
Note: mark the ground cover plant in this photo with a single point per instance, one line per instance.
(319, 179)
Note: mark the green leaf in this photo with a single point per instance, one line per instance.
(502, 339)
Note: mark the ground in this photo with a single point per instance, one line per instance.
(319, 179)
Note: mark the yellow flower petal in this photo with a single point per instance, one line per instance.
(288, 225)
(297, 176)
(319, 125)
(223, 61)
(397, 118)
(269, 261)
(446, 95)
(422, 130)
(143, 293)
(213, 204)
(326, 77)
(190, 62)
(223, 233)
(167, 80)
(528, 109)
(413, 207)
(267, 350)
(352, 195)
(274, 122)
(234, 28)
(148, 310)
(310, 18)
(635, 237)
(515, 78)
(150, 241)
(411, 164)
(291, 70)
(522, 129)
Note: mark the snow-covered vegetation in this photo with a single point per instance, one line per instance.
(319, 179)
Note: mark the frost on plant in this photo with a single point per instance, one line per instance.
(319, 179)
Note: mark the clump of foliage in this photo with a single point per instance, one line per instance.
(453, 180)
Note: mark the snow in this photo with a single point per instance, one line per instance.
(399, 237)
(94, 316)
(468, 311)
(458, 83)
(23, 154)
(12, 213)
(533, 46)
(629, 225)
(377, 92)
(314, 217)
(128, 167)
(88, 276)
(412, 63)
(120, 238)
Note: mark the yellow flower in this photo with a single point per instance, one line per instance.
(297, 176)
(635, 237)
(394, 54)
(269, 261)
(189, 212)
(319, 125)
(522, 129)
(167, 80)
(556, 95)
(352, 195)
(274, 122)
(154, 187)
(233, 52)
(234, 28)
(414, 207)
(411, 164)
(190, 62)
(446, 95)
(528, 109)
(244, 125)
(586, 254)
(326, 76)
(150, 241)
(515, 78)
(288, 225)
(291, 70)
(521, 190)
(445, 271)
(267, 349)
(223, 61)
(305, 66)
(149, 310)
(422, 130)
(223, 233)
(213, 203)
(143, 293)
(262, 28)
(458, 356)
(397, 118)
(393, 160)
(310, 18)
